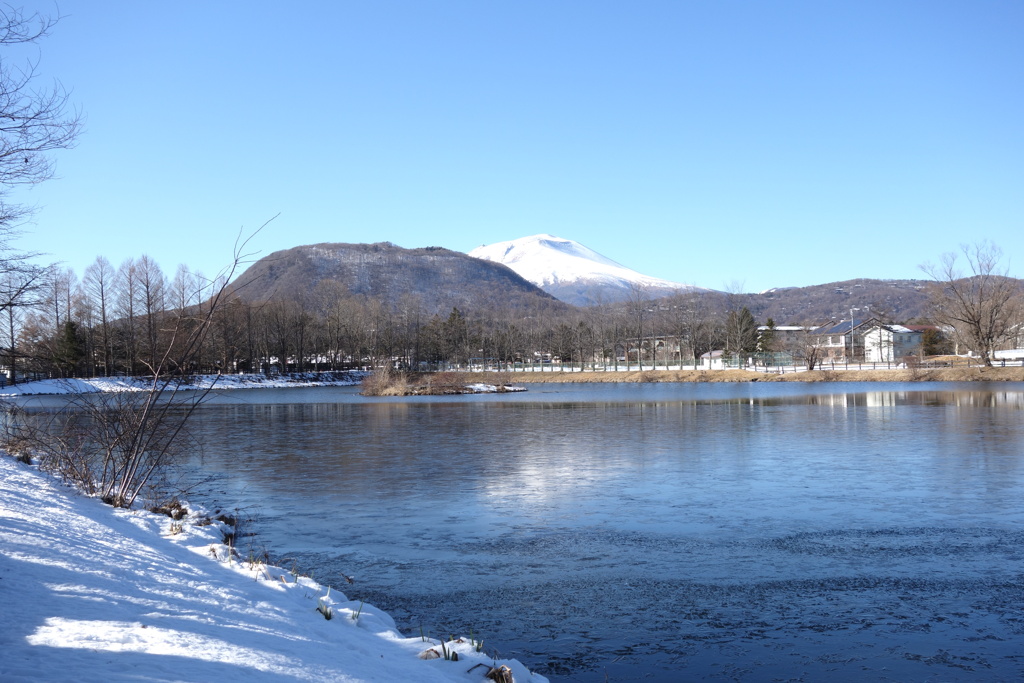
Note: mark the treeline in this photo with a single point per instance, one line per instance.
(123, 320)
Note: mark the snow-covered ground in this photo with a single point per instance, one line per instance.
(92, 593)
(203, 382)
(198, 383)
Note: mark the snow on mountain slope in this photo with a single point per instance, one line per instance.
(570, 271)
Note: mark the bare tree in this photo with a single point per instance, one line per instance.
(97, 285)
(980, 301)
(126, 301)
(334, 304)
(152, 292)
(115, 444)
(84, 315)
(807, 346)
(694, 323)
(638, 304)
(21, 290)
(60, 286)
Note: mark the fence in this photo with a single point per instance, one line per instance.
(558, 366)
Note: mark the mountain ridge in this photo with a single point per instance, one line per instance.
(434, 280)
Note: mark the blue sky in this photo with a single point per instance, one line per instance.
(722, 144)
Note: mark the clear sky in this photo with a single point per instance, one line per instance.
(752, 144)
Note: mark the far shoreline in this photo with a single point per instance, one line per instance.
(961, 374)
(509, 381)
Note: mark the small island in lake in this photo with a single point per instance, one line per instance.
(391, 383)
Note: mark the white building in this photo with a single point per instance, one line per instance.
(785, 337)
(888, 343)
(713, 360)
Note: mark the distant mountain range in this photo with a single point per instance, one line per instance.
(580, 276)
(539, 274)
(889, 300)
(573, 273)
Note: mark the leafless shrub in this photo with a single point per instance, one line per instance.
(118, 444)
(500, 379)
(15, 445)
(114, 445)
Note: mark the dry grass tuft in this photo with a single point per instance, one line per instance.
(386, 382)
(18, 448)
(500, 674)
(391, 383)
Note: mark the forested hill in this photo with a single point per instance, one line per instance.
(895, 300)
(437, 279)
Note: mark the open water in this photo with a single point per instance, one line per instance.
(656, 532)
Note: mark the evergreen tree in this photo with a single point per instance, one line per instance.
(69, 350)
(741, 332)
(767, 339)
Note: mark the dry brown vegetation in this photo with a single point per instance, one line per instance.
(385, 383)
(393, 383)
(957, 374)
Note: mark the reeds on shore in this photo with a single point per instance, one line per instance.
(389, 382)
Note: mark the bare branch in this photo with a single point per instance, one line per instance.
(33, 121)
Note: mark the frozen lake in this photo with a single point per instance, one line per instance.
(657, 532)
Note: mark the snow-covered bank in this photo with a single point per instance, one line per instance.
(50, 387)
(197, 383)
(91, 593)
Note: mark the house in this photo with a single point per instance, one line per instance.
(783, 337)
(843, 341)
(1012, 349)
(713, 360)
(888, 343)
(1014, 340)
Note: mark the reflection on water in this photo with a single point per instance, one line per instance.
(957, 399)
(658, 532)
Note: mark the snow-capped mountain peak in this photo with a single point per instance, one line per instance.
(553, 256)
(570, 271)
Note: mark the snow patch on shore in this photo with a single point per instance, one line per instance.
(196, 383)
(93, 593)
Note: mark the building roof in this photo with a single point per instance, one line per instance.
(844, 326)
(898, 329)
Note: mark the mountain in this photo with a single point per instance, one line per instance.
(435, 280)
(891, 300)
(438, 279)
(573, 273)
